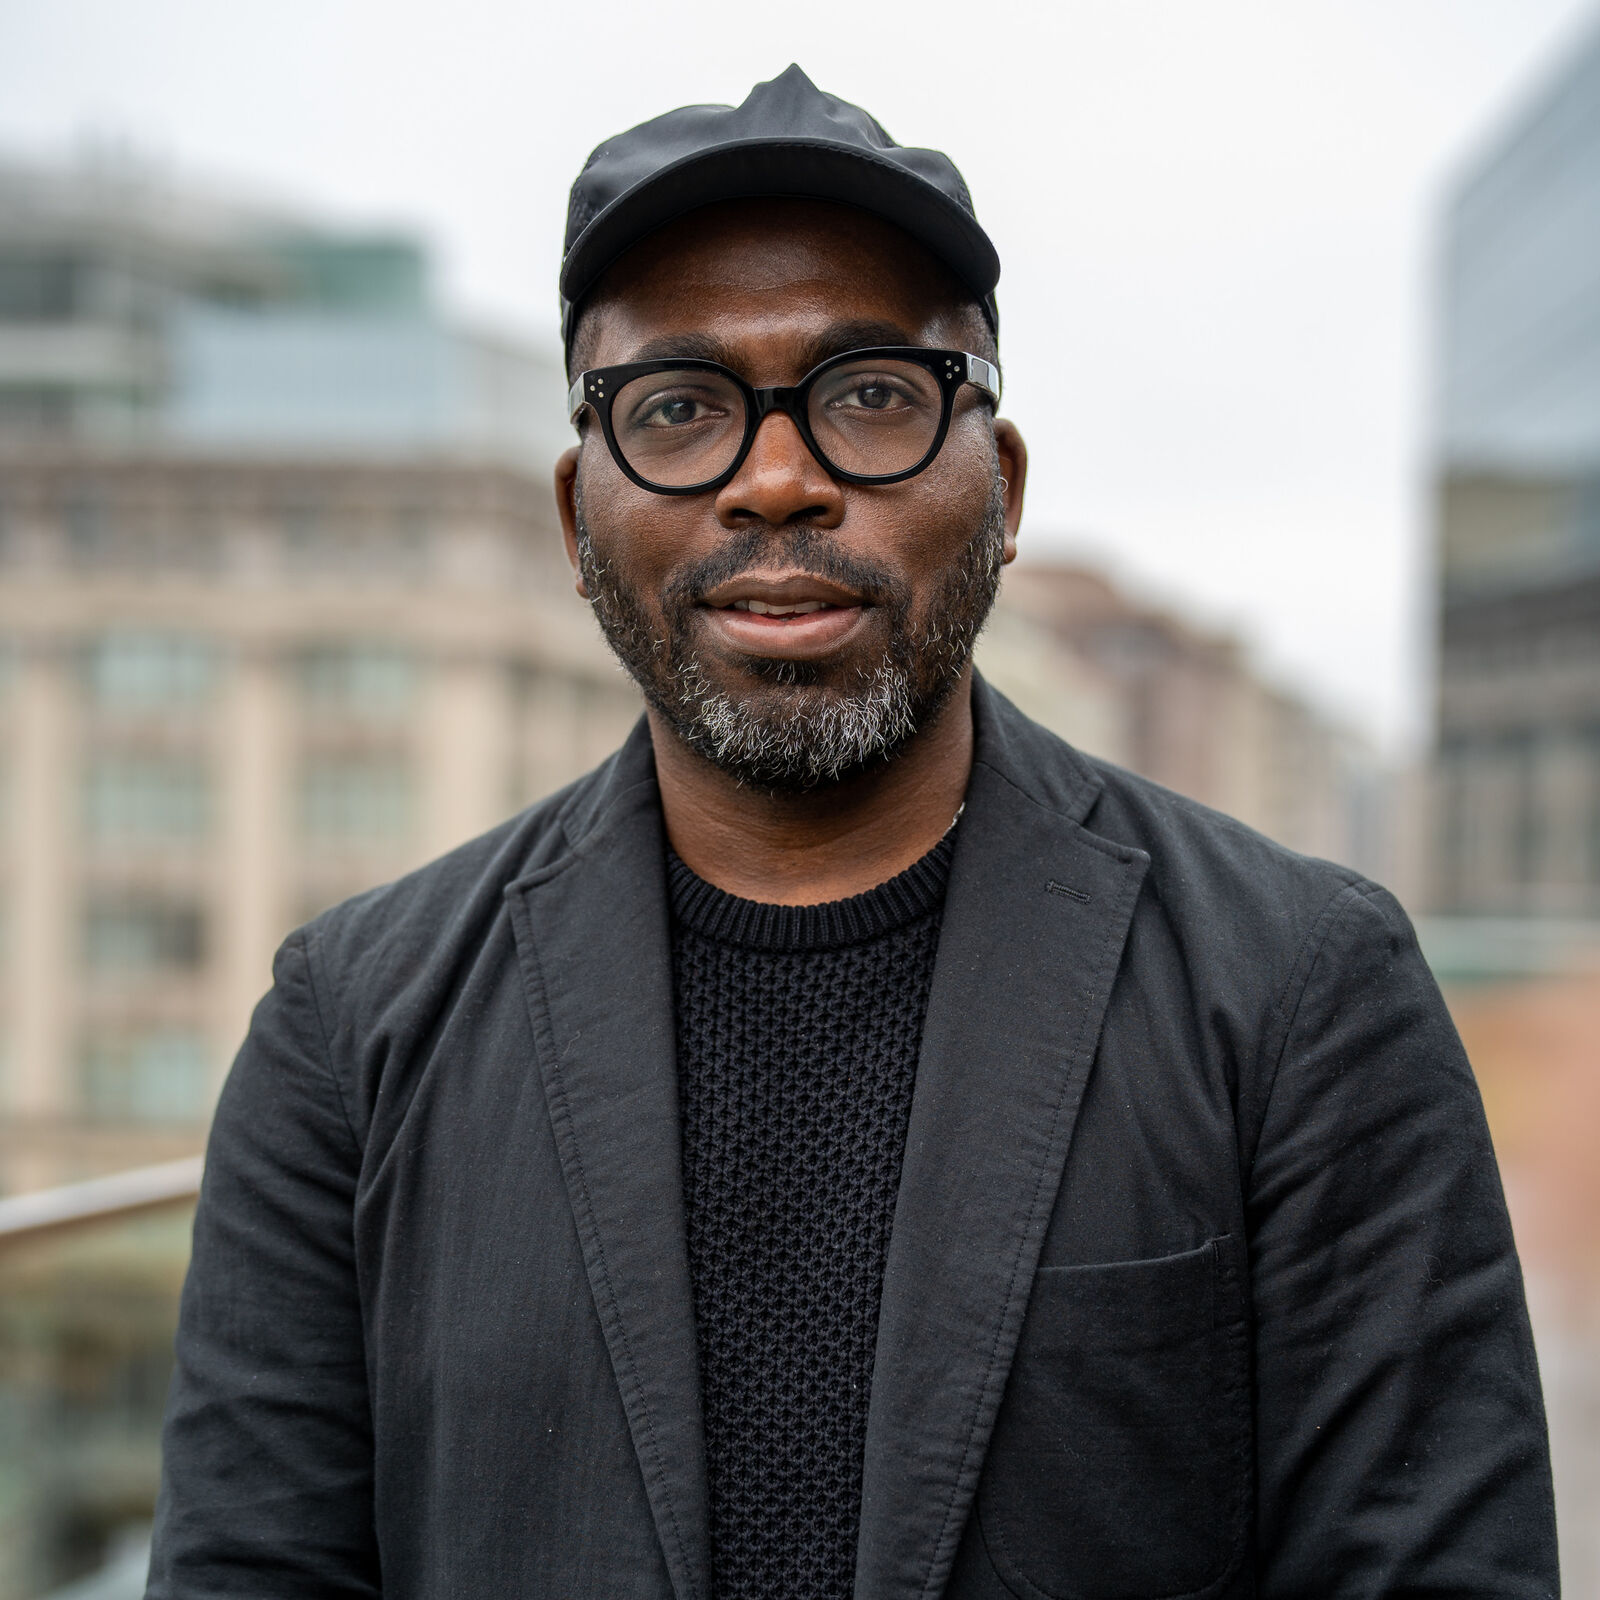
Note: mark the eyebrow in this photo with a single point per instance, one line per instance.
(833, 340)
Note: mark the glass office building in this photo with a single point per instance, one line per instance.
(1518, 514)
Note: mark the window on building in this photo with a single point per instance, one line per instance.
(407, 553)
(35, 410)
(40, 288)
(360, 680)
(142, 934)
(310, 542)
(144, 1074)
(352, 799)
(146, 797)
(1594, 812)
(86, 512)
(138, 671)
(1528, 820)
(1451, 841)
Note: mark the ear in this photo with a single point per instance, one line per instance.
(567, 509)
(1013, 455)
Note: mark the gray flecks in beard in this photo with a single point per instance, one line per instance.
(808, 739)
(790, 734)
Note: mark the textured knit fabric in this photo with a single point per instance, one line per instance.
(798, 1029)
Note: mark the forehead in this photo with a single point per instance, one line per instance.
(758, 273)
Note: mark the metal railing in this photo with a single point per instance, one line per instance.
(77, 1205)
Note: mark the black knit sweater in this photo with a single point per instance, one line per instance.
(798, 1029)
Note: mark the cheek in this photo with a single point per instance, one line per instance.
(949, 502)
(637, 533)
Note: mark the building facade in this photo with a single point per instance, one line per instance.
(233, 694)
(139, 314)
(1187, 707)
(283, 613)
(1517, 766)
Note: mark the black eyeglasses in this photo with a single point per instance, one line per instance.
(681, 426)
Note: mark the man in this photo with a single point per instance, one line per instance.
(850, 1143)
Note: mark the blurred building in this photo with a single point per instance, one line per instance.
(1517, 778)
(283, 613)
(1186, 707)
(135, 313)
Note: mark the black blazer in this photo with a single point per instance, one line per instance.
(1200, 1284)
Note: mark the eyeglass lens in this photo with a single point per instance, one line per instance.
(871, 417)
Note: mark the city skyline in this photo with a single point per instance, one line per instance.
(1214, 311)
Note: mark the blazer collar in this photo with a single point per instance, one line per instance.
(1035, 918)
(593, 942)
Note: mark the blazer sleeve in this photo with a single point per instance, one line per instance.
(266, 1485)
(1401, 1445)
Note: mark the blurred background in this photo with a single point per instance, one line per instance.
(1301, 319)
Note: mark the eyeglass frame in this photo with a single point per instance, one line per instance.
(599, 386)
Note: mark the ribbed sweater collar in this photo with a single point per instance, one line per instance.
(757, 925)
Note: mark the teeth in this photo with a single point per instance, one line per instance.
(761, 608)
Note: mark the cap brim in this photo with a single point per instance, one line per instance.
(816, 169)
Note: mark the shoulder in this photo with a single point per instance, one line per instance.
(388, 940)
(1220, 898)
(1241, 902)
(1203, 855)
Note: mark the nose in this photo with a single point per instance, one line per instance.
(780, 481)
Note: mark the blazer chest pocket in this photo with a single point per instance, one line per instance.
(1120, 1463)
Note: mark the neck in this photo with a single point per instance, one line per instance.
(827, 844)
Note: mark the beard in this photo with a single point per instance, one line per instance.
(801, 725)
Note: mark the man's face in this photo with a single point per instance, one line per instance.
(697, 594)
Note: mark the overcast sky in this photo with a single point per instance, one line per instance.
(1216, 219)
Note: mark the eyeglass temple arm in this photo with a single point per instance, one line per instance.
(984, 374)
(576, 398)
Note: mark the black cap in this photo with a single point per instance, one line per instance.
(788, 138)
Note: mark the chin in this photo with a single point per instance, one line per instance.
(768, 680)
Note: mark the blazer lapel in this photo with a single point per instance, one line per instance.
(1035, 918)
(593, 941)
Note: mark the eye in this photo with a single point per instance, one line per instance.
(674, 408)
(869, 392)
(666, 411)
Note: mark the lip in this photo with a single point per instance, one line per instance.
(796, 636)
(782, 589)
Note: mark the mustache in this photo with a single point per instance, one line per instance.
(802, 548)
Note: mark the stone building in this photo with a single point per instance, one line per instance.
(1188, 708)
(234, 693)
(283, 613)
